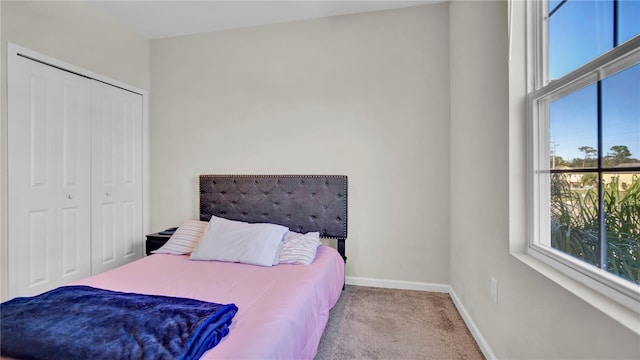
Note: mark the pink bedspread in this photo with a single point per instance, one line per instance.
(283, 309)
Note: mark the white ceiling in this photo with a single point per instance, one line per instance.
(160, 19)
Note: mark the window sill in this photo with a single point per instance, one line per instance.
(614, 310)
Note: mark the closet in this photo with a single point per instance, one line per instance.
(74, 175)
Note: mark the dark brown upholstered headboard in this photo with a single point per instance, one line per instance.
(302, 203)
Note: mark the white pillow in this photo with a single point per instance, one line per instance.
(299, 248)
(236, 241)
(184, 239)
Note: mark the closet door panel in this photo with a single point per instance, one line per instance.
(107, 234)
(116, 176)
(37, 244)
(75, 181)
(130, 237)
(42, 120)
(73, 248)
(48, 177)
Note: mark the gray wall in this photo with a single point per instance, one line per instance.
(361, 95)
(534, 317)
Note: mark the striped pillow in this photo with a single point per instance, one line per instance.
(185, 239)
(299, 248)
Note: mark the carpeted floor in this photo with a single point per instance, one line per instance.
(375, 323)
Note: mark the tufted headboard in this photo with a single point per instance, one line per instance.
(302, 203)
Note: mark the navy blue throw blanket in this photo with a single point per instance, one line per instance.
(81, 322)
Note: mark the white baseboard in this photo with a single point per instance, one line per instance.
(441, 288)
(475, 331)
(397, 284)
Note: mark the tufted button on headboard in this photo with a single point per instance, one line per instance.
(303, 203)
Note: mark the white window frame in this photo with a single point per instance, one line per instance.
(540, 93)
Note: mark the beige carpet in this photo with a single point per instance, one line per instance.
(374, 323)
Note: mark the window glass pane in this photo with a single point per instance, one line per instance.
(573, 122)
(579, 32)
(586, 204)
(574, 215)
(628, 19)
(622, 209)
(621, 118)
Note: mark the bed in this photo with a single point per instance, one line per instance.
(282, 310)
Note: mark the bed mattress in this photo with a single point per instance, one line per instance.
(282, 310)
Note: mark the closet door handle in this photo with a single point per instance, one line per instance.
(108, 193)
(70, 197)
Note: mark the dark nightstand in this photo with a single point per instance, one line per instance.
(156, 240)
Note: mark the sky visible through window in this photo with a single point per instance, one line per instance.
(580, 31)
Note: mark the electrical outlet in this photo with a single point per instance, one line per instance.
(494, 290)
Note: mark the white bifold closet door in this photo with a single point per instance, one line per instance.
(49, 197)
(116, 176)
(73, 177)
